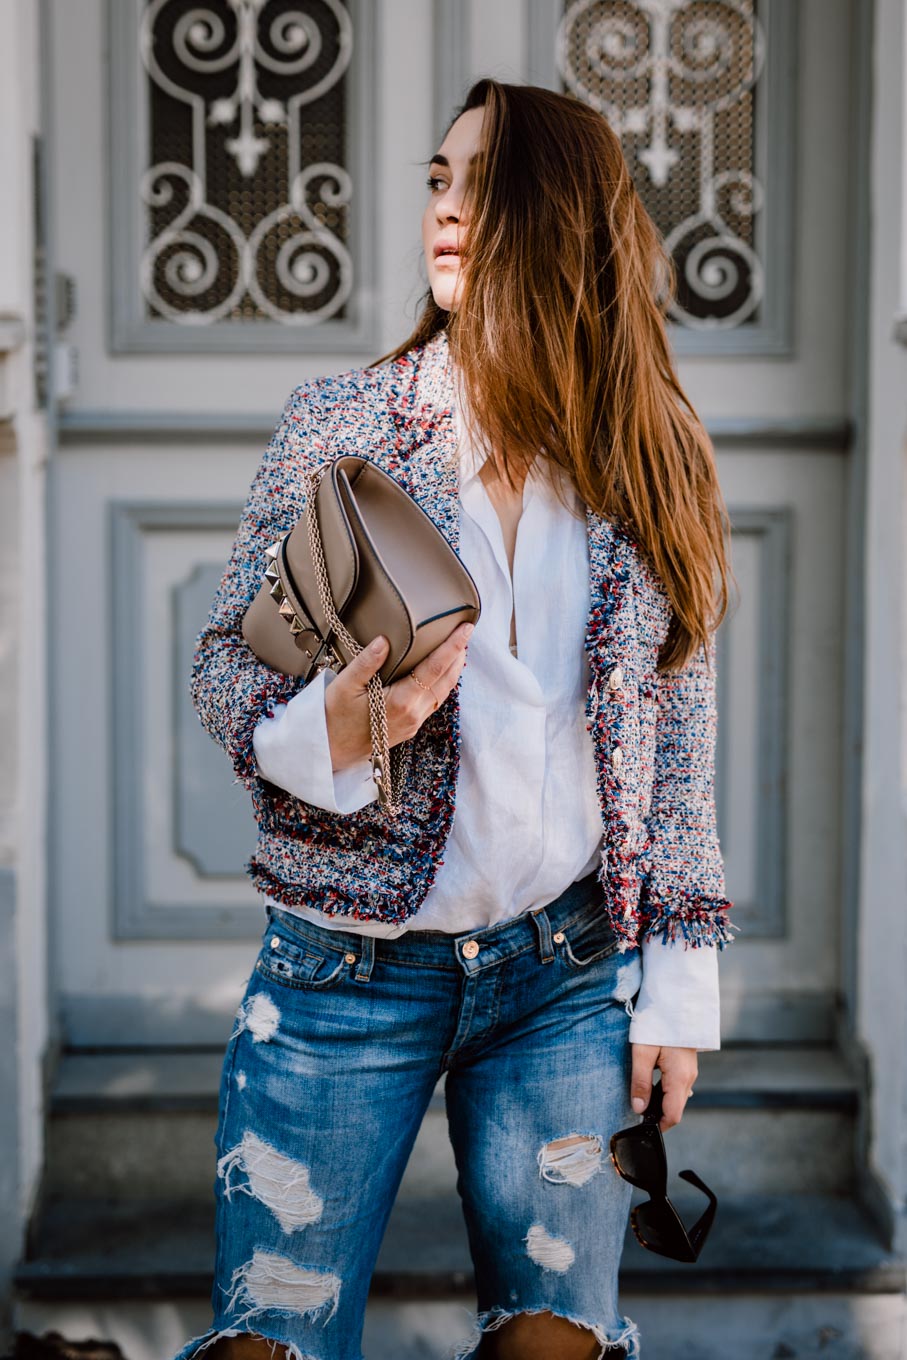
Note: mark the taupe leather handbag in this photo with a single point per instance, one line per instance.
(369, 560)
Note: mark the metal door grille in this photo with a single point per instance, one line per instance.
(678, 80)
(246, 195)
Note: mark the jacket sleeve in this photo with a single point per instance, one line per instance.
(229, 687)
(682, 894)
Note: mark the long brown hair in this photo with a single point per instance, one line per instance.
(561, 347)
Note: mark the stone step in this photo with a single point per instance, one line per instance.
(116, 1118)
(799, 1325)
(759, 1243)
(763, 1076)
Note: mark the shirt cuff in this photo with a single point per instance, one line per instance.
(678, 1003)
(292, 751)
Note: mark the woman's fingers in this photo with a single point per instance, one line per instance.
(408, 703)
(448, 678)
(679, 1070)
(442, 658)
(413, 698)
(644, 1056)
(434, 671)
(360, 670)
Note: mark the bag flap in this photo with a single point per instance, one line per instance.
(379, 605)
(341, 555)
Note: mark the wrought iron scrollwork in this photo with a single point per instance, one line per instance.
(675, 79)
(246, 223)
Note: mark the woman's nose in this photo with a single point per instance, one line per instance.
(449, 207)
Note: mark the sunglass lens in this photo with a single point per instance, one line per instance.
(660, 1230)
(639, 1157)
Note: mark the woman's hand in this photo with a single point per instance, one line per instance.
(408, 704)
(679, 1069)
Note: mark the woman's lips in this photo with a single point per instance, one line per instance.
(449, 246)
(449, 255)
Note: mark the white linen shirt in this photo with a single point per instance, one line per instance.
(527, 821)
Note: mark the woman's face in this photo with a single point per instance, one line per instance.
(444, 222)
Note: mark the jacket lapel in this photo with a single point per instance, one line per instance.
(421, 453)
(420, 447)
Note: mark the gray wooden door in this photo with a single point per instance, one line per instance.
(215, 268)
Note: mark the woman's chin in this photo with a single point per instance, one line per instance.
(445, 290)
(446, 298)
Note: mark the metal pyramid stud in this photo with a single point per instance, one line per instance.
(272, 574)
(272, 552)
(277, 591)
(286, 610)
(296, 626)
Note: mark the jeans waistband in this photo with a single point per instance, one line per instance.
(533, 928)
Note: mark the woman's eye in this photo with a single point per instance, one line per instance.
(432, 181)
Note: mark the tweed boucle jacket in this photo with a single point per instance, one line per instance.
(654, 734)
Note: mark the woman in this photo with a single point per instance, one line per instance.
(535, 415)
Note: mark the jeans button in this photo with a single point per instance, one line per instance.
(470, 949)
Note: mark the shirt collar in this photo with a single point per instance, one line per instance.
(470, 457)
(471, 462)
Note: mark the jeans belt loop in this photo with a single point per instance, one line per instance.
(366, 959)
(543, 926)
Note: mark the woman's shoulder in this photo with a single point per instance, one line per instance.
(329, 410)
(358, 407)
(373, 384)
(367, 402)
(359, 385)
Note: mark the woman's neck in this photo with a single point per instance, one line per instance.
(508, 505)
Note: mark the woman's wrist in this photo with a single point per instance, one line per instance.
(342, 757)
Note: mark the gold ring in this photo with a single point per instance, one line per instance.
(428, 689)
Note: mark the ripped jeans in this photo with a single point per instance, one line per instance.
(339, 1042)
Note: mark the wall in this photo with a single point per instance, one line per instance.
(882, 1006)
(23, 444)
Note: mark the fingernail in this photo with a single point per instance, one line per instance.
(638, 1104)
(468, 629)
(377, 645)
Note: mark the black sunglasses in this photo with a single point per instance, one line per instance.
(638, 1154)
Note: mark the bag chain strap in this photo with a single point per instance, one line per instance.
(389, 790)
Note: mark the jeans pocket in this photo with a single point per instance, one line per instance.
(588, 939)
(300, 961)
